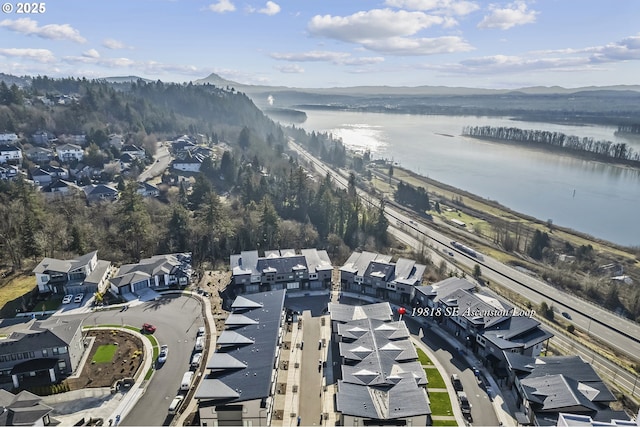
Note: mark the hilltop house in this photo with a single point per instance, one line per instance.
(376, 276)
(280, 269)
(44, 175)
(134, 151)
(85, 274)
(8, 138)
(188, 163)
(10, 154)
(39, 155)
(9, 172)
(36, 352)
(100, 192)
(69, 152)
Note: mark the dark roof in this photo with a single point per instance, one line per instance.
(404, 399)
(444, 287)
(39, 334)
(25, 408)
(253, 381)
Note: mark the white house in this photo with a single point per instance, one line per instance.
(10, 154)
(69, 152)
(189, 163)
(10, 138)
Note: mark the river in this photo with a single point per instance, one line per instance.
(599, 199)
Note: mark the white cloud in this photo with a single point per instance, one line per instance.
(374, 24)
(91, 53)
(418, 46)
(290, 69)
(30, 27)
(222, 6)
(338, 58)
(389, 31)
(445, 7)
(114, 44)
(504, 18)
(271, 8)
(40, 55)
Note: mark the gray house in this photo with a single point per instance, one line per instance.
(83, 274)
(376, 276)
(38, 352)
(280, 269)
(157, 272)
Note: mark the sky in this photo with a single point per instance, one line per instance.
(329, 43)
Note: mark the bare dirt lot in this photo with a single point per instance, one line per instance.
(125, 362)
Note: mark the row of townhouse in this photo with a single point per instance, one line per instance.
(481, 323)
(280, 269)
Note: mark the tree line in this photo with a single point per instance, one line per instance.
(415, 197)
(603, 149)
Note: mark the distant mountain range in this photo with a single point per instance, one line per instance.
(217, 80)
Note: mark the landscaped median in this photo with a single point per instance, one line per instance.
(154, 342)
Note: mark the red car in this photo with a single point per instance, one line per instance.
(148, 328)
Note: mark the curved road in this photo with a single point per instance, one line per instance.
(177, 319)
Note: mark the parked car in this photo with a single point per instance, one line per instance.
(175, 405)
(79, 298)
(457, 384)
(148, 328)
(566, 315)
(164, 352)
(201, 331)
(196, 359)
(67, 299)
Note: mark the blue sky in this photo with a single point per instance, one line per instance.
(327, 43)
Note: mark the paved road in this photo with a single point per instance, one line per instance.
(617, 332)
(163, 158)
(311, 376)
(177, 319)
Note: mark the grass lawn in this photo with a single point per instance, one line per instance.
(11, 292)
(440, 403)
(434, 378)
(423, 358)
(105, 353)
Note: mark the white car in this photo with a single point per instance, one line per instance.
(79, 298)
(67, 299)
(164, 352)
(201, 331)
(195, 360)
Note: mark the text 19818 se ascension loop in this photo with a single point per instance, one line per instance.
(24, 8)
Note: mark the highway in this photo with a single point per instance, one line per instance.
(617, 332)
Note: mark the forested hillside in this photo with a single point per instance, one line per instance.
(254, 196)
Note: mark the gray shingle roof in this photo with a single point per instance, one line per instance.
(345, 313)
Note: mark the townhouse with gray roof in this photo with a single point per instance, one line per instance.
(36, 352)
(375, 275)
(10, 154)
(280, 269)
(239, 384)
(548, 386)
(85, 274)
(481, 323)
(381, 380)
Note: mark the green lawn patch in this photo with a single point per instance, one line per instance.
(440, 403)
(105, 353)
(423, 358)
(434, 378)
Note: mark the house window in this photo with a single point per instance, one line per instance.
(62, 365)
(54, 351)
(45, 352)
